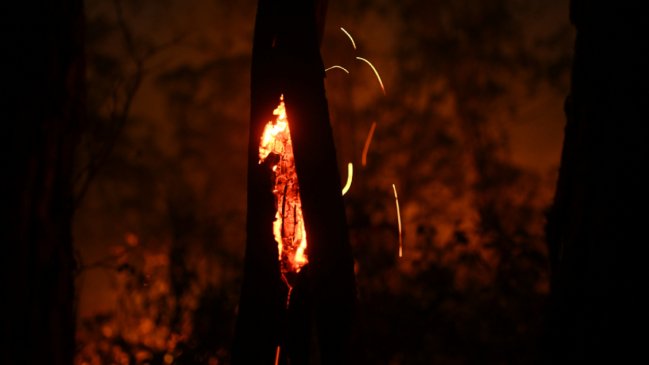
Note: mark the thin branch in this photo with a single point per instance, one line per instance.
(119, 115)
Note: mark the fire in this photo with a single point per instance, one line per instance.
(288, 227)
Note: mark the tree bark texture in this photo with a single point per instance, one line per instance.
(597, 226)
(286, 60)
(46, 106)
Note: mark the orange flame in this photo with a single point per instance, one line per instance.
(288, 227)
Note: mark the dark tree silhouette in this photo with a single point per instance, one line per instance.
(599, 215)
(45, 109)
(286, 60)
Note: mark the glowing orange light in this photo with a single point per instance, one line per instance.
(350, 175)
(288, 227)
(349, 36)
(396, 201)
(131, 239)
(375, 72)
(277, 355)
(368, 140)
(168, 359)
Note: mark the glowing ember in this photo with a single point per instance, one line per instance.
(338, 67)
(375, 72)
(368, 140)
(349, 36)
(396, 201)
(277, 355)
(288, 227)
(350, 175)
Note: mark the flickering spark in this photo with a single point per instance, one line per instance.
(396, 201)
(368, 140)
(350, 174)
(378, 77)
(349, 36)
(277, 355)
(338, 67)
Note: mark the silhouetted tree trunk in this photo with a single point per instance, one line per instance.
(45, 91)
(597, 226)
(286, 60)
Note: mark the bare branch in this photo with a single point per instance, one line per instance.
(120, 113)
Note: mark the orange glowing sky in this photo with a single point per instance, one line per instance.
(215, 39)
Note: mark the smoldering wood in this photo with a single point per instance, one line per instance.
(286, 60)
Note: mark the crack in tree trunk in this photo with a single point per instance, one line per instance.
(286, 60)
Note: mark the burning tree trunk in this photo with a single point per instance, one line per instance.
(286, 61)
(45, 107)
(600, 214)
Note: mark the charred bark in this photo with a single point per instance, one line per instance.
(261, 301)
(599, 214)
(331, 265)
(45, 109)
(286, 60)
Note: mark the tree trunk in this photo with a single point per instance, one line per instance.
(45, 108)
(286, 60)
(600, 212)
